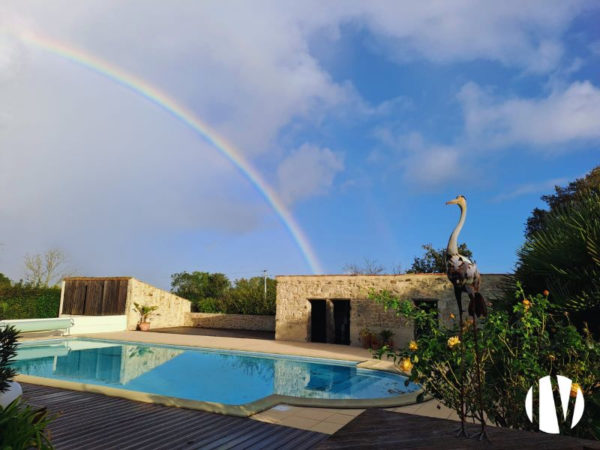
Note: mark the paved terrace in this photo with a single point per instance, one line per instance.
(329, 351)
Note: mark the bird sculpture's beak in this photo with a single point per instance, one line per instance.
(452, 202)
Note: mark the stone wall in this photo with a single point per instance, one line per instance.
(231, 321)
(172, 310)
(294, 309)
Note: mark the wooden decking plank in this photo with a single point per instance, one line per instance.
(115, 414)
(310, 442)
(197, 438)
(245, 428)
(195, 424)
(273, 439)
(250, 438)
(291, 440)
(100, 427)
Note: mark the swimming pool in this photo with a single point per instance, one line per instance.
(207, 375)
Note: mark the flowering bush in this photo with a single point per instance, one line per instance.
(517, 347)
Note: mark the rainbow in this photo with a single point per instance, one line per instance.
(184, 115)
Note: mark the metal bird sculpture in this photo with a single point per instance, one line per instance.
(465, 277)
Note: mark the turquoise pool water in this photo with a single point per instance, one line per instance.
(227, 377)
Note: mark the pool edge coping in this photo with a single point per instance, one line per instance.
(245, 410)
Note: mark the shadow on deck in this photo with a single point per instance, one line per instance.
(377, 428)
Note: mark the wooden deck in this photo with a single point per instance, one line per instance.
(93, 421)
(377, 428)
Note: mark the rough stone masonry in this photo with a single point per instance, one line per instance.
(294, 295)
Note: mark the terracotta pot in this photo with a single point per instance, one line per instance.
(366, 340)
(144, 326)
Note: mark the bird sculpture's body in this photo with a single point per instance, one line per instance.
(465, 277)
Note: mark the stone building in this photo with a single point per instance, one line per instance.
(335, 308)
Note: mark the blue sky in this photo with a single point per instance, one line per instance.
(365, 117)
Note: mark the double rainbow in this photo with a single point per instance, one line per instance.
(151, 93)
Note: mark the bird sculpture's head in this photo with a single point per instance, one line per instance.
(460, 200)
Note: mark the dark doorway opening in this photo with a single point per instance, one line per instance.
(341, 319)
(318, 321)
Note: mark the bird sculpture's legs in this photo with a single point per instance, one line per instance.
(460, 432)
(481, 435)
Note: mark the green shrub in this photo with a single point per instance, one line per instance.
(518, 347)
(209, 305)
(8, 351)
(27, 302)
(22, 427)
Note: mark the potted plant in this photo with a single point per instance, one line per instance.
(144, 311)
(366, 337)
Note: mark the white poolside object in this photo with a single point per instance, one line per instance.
(31, 325)
(14, 391)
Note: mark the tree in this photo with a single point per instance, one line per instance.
(575, 191)
(434, 261)
(247, 296)
(4, 281)
(370, 267)
(45, 270)
(197, 286)
(563, 257)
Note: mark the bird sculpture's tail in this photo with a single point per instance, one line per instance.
(477, 306)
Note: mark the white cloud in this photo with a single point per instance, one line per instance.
(515, 34)
(566, 115)
(308, 171)
(433, 166)
(423, 165)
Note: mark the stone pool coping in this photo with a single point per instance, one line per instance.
(326, 351)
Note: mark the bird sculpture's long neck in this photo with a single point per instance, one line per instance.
(453, 241)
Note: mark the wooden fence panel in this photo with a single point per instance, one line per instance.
(122, 297)
(111, 291)
(79, 298)
(95, 296)
(93, 301)
(68, 298)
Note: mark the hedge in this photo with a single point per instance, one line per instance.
(23, 302)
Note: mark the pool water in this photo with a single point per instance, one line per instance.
(226, 377)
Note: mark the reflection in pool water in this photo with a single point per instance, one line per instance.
(198, 374)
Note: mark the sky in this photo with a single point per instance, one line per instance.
(360, 118)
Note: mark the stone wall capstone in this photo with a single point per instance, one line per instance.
(231, 321)
(293, 317)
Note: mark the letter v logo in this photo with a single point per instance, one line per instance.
(548, 412)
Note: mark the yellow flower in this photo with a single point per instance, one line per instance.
(406, 365)
(574, 389)
(453, 341)
(551, 357)
(526, 304)
(413, 346)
